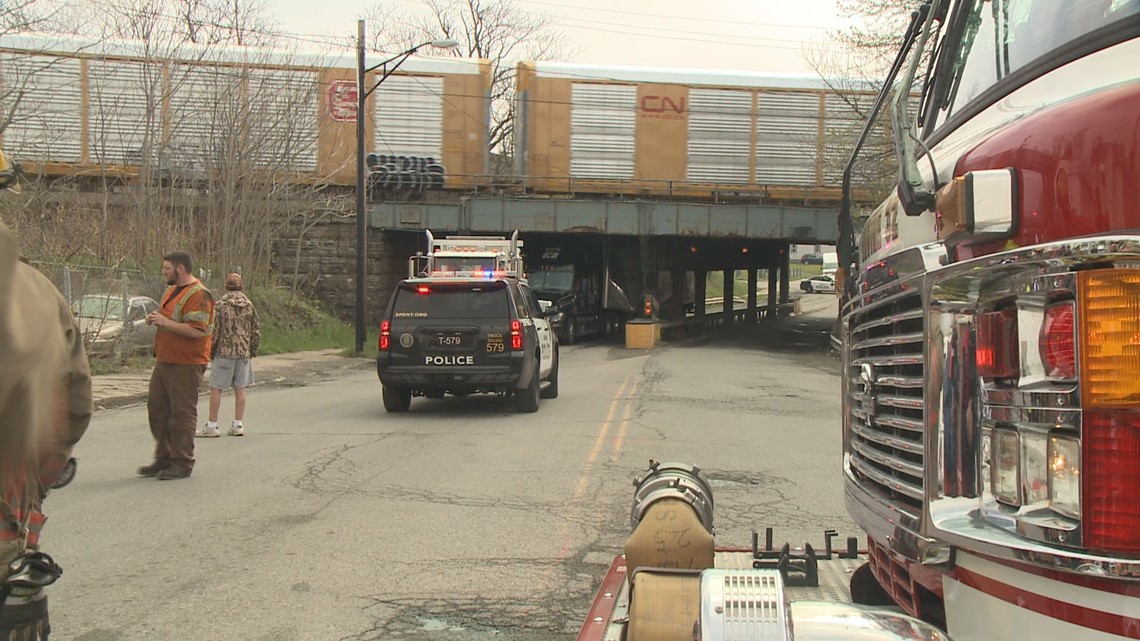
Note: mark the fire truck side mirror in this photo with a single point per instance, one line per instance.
(981, 203)
(991, 201)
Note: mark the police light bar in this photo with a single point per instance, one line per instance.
(478, 273)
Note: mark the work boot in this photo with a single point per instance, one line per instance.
(173, 473)
(152, 470)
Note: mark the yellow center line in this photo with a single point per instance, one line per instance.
(584, 479)
(625, 416)
(599, 441)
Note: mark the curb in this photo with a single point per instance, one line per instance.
(278, 373)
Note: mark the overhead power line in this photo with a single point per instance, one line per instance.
(674, 17)
(688, 32)
(751, 45)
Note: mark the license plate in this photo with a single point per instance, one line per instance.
(449, 339)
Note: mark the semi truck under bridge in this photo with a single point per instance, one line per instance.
(657, 250)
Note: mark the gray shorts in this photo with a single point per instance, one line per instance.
(231, 372)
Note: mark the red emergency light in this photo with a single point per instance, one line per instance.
(1111, 483)
(1058, 341)
(997, 349)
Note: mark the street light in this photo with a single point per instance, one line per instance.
(361, 186)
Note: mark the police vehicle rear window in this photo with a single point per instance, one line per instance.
(451, 300)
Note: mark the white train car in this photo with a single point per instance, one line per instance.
(115, 108)
(641, 130)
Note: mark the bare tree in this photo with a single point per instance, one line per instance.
(499, 31)
(853, 64)
(184, 149)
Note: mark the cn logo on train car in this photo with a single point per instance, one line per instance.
(662, 104)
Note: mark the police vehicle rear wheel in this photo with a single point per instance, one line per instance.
(526, 400)
(551, 390)
(397, 400)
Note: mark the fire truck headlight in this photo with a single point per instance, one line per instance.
(1065, 476)
(1034, 468)
(1006, 466)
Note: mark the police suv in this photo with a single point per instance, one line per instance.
(479, 330)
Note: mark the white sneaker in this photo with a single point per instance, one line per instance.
(208, 432)
(236, 430)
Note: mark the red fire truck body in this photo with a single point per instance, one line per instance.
(991, 327)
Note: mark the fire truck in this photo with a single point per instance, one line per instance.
(990, 325)
(989, 333)
(479, 256)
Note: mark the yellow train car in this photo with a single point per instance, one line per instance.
(125, 108)
(677, 132)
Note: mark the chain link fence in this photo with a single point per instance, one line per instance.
(111, 305)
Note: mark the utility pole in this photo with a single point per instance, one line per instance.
(361, 188)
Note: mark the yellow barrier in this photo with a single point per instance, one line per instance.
(642, 334)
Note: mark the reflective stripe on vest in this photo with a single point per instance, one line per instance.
(21, 526)
(203, 317)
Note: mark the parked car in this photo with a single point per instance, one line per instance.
(821, 283)
(811, 259)
(101, 321)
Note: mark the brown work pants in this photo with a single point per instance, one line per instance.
(173, 409)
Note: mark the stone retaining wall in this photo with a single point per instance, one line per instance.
(326, 265)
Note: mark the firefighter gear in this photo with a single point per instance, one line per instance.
(45, 407)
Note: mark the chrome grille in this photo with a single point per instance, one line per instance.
(886, 386)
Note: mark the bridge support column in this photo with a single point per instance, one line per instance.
(729, 280)
(700, 292)
(675, 310)
(773, 291)
(785, 272)
(752, 281)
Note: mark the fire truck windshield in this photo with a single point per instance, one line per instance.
(997, 38)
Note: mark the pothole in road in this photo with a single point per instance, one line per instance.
(734, 479)
(438, 625)
(725, 483)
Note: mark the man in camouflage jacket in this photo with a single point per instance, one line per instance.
(237, 336)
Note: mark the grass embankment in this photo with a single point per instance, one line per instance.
(288, 324)
(293, 324)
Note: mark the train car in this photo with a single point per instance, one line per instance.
(680, 132)
(126, 108)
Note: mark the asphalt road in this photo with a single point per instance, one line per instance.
(332, 520)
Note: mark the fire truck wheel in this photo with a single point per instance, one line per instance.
(865, 588)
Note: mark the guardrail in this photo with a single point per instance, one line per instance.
(709, 323)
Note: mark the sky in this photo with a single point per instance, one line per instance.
(752, 35)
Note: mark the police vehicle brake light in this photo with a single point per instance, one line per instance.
(385, 335)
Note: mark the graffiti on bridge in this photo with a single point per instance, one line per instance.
(389, 173)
